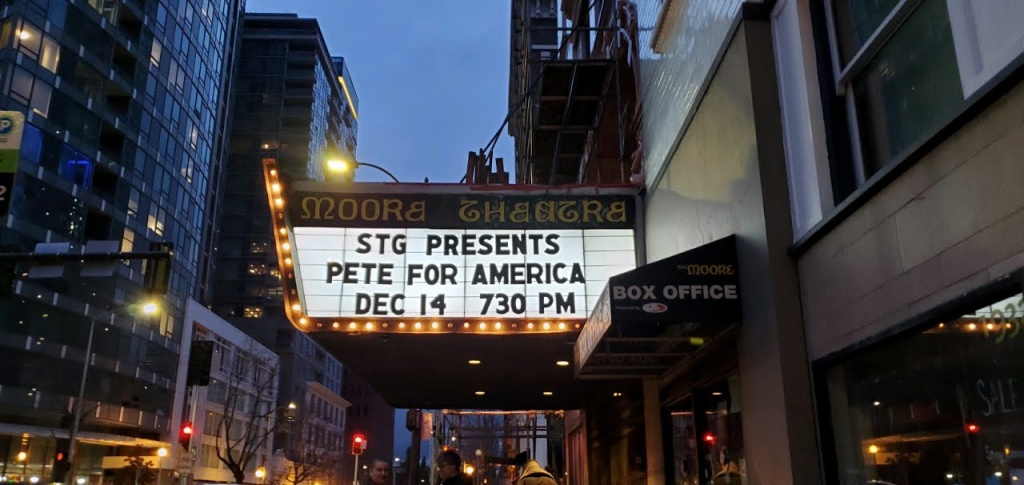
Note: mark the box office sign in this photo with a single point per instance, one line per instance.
(700, 285)
(451, 255)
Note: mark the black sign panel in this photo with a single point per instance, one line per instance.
(463, 211)
(6, 191)
(700, 285)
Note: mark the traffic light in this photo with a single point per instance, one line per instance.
(185, 437)
(158, 270)
(358, 444)
(710, 438)
(61, 465)
(200, 358)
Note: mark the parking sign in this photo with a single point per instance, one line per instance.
(12, 125)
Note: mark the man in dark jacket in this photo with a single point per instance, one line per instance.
(379, 472)
(449, 469)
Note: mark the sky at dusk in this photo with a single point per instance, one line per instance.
(432, 78)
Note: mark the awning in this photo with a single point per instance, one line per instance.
(650, 318)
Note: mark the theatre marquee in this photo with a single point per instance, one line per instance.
(444, 258)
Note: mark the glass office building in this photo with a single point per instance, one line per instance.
(124, 105)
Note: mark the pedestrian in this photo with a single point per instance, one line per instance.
(379, 472)
(534, 474)
(449, 469)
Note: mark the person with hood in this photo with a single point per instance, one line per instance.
(534, 474)
(449, 469)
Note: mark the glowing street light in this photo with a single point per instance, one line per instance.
(342, 166)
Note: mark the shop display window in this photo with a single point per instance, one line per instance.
(707, 436)
(941, 406)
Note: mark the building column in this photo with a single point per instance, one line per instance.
(652, 433)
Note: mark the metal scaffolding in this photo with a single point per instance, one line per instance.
(572, 91)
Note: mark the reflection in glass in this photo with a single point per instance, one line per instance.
(911, 87)
(942, 406)
(856, 21)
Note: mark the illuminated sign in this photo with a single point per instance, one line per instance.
(458, 273)
(448, 257)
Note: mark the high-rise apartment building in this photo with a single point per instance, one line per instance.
(123, 105)
(289, 106)
(297, 104)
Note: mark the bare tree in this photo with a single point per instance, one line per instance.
(249, 399)
(310, 453)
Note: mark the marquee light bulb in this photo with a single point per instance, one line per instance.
(286, 246)
(529, 325)
(296, 307)
(288, 261)
(369, 325)
(417, 325)
(434, 325)
(483, 326)
(276, 187)
(282, 231)
(352, 325)
(497, 325)
(547, 326)
(465, 324)
(401, 324)
(279, 202)
(303, 321)
(335, 324)
(273, 172)
(561, 325)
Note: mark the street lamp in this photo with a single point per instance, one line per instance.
(160, 453)
(149, 308)
(260, 473)
(342, 166)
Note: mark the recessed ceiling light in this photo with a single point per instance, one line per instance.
(474, 362)
(479, 393)
(716, 393)
(549, 393)
(562, 363)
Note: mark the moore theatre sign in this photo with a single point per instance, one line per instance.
(451, 255)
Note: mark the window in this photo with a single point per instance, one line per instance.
(942, 405)
(908, 67)
(155, 52)
(21, 85)
(252, 312)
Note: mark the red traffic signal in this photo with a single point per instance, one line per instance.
(972, 428)
(358, 444)
(709, 438)
(185, 438)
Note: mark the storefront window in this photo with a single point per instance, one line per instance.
(707, 436)
(944, 406)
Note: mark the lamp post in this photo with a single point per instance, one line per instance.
(337, 165)
(149, 308)
(261, 473)
(161, 453)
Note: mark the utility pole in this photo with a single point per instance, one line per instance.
(413, 422)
